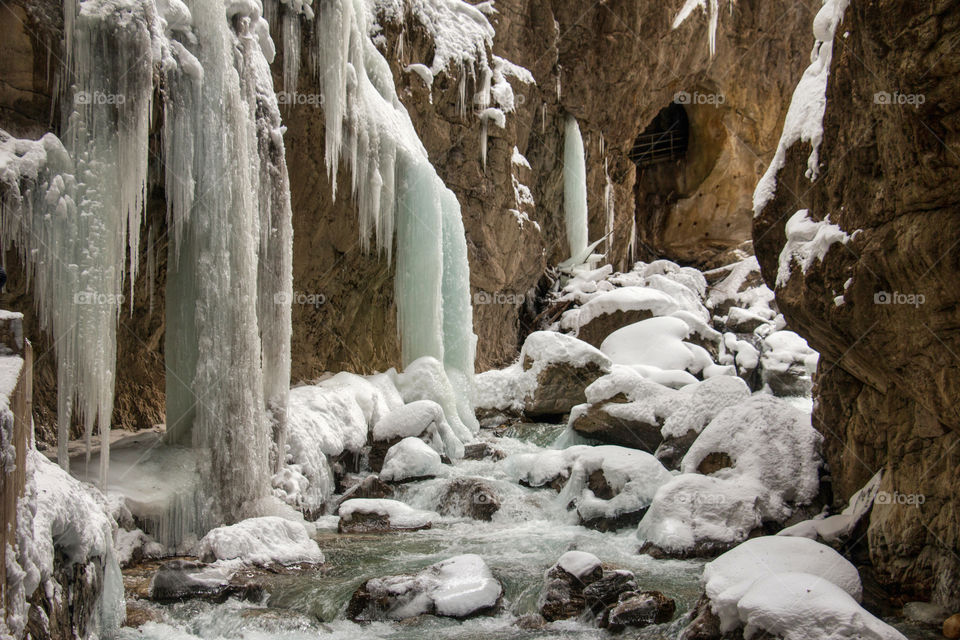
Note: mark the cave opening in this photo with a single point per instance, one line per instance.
(665, 138)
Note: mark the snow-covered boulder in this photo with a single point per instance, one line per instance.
(422, 419)
(791, 588)
(426, 379)
(459, 587)
(768, 443)
(264, 541)
(787, 364)
(557, 369)
(694, 515)
(410, 459)
(837, 529)
(657, 342)
(381, 516)
(611, 487)
(612, 310)
(639, 609)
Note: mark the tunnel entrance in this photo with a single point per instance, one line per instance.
(665, 138)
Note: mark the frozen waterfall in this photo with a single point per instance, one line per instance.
(398, 192)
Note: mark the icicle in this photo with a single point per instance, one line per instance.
(291, 53)
(151, 278)
(609, 206)
(574, 188)
(398, 191)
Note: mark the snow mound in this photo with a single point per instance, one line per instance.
(421, 418)
(323, 421)
(801, 606)
(784, 349)
(426, 379)
(627, 299)
(771, 445)
(657, 342)
(634, 477)
(793, 588)
(542, 348)
(410, 458)
(261, 541)
(694, 406)
(693, 514)
(400, 515)
(579, 564)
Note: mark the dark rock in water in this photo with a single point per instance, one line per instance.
(622, 521)
(179, 580)
(460, 587)
(371, 487)
(374, 523)
(704, 623)
(556, 483)
(713, 462)
(597, 483)
(482, 451)
(606, 591)
(563, 594)
(470, 497)
(639, 610)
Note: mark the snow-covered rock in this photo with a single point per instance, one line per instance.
(459, 587)
(579, 564)
(557, 368)
(770, 445)
(788, 364)
(378, 516)
(793, 588)
(838, 528)
(409, 459)
(261, 541)
(657, 342)
(611, 310)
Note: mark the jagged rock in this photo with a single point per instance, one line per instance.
(639, 610)
(704, 623)
(483, 451)
(459, 587)
(560, 388)
(596, 423)
(470, 497)
(530, 622)
(563, 593)
(380, 516)
(606, 591)
(371, 487)
(179, 580)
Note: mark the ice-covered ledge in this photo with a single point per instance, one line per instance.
(16, 390)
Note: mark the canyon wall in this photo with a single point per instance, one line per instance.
(889, 373)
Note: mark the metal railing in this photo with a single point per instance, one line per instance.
(659, 146)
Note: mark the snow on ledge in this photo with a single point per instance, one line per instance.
(807, 240)
(804, 120)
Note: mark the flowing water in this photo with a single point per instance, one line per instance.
(523, 540)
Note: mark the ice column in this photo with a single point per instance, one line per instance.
(397, 190)
(229, 290)
(575, 192)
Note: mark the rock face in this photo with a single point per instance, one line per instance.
(888, 377)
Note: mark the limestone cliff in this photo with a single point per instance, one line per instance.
(889, 374)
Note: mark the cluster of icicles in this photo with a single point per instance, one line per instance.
(74, 210)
